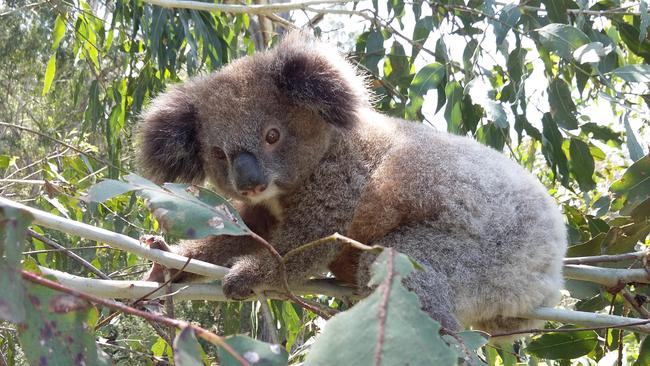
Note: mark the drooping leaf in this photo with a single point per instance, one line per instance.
(453, 110)
(552, 148)
(388, 327)
(562, 39)
(255, 352)
(187, 350)
(582, 164)
(508, 18)
(13, 224)
(634, 185)
(50, 70)
(58, 32)
(374, 51)
(563, 108)
(633, 146)
(563, 345)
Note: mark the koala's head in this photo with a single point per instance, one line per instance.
(256, 128)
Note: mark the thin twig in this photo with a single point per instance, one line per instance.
(635, 304)
(74, 256)
(180, 324)
(606, 258)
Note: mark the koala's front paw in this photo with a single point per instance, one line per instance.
(157, 271)
(237, 286)
(247, 278)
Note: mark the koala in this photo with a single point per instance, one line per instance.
(291, 137)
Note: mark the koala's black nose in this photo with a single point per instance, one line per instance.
(248, 175)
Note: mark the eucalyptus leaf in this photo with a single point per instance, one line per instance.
(257, 353)
(563, 345)
(634, 73)
(388, 326)
(562, 39)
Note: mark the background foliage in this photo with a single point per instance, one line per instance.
(561, 86)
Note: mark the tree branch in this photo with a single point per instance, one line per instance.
(203, 333)
(119, 241)
(123, 289)
(248, 9)
(608, 277)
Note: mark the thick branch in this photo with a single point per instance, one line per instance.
(248, 9)
(119, 241)
(114, 289)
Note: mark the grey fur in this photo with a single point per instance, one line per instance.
(489, 236)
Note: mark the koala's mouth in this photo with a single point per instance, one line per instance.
(270, 192)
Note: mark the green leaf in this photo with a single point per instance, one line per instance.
(633, 146)
(187, 351)
(255, 352)
(49, 74)
(184, 210)
(557, 10)
(58, 32)
(591, 52)
(388, 325)
(508, 18)
(107, 189)
(374, 51)
(421, 32)
(562, 39)
(53, 328)
(602, 133)
(634, 185)
(562, 107)
(453, 111)
(645, 20)
(552, 148)
(563, 345)
(634, 73)
(13, 224)
(7, 160)
(495, 112)
(644, 353)
(62, 323)
(582, 164)
(429, 77)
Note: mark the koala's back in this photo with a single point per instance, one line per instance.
(470, 214)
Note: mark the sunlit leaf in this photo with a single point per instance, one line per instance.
(49, 74)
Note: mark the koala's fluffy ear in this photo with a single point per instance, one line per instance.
(168, 137)
(315, 76)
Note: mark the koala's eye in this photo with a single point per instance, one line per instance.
(218, 153)
(272, 136)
